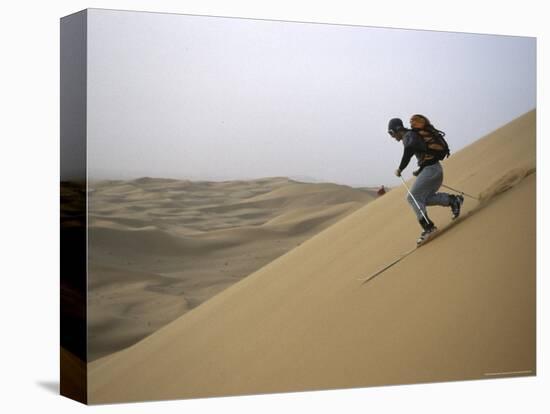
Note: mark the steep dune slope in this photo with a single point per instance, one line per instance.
(160, 247)
(460, 307)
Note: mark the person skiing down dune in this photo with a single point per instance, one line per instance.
(418, 141)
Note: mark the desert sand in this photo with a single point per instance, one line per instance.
(160, 247)
(460, 307)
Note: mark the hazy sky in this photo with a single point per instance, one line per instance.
(221, 98)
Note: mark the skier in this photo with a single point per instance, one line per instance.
(429, 177)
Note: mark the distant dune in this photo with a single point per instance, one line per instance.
(461, 307)
(160, 247)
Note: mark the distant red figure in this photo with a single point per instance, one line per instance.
(381, 191)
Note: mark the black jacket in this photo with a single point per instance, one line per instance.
(413, 144)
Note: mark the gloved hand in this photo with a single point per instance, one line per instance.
(416, 172)
(398, 173)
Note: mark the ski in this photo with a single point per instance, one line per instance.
(386, 267)
(432, 236)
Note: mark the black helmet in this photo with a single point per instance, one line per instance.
(395, 125)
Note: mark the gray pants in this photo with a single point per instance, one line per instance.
(425, 189)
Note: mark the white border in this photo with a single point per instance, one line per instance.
(29, 210)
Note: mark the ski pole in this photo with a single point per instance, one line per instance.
(460, 192)
(414, 199)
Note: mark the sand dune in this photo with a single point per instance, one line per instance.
(160, 247)
(461, 307)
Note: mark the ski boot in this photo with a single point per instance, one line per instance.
(456, 203)
(428, 230)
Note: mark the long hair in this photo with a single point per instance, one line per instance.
(420, 122)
